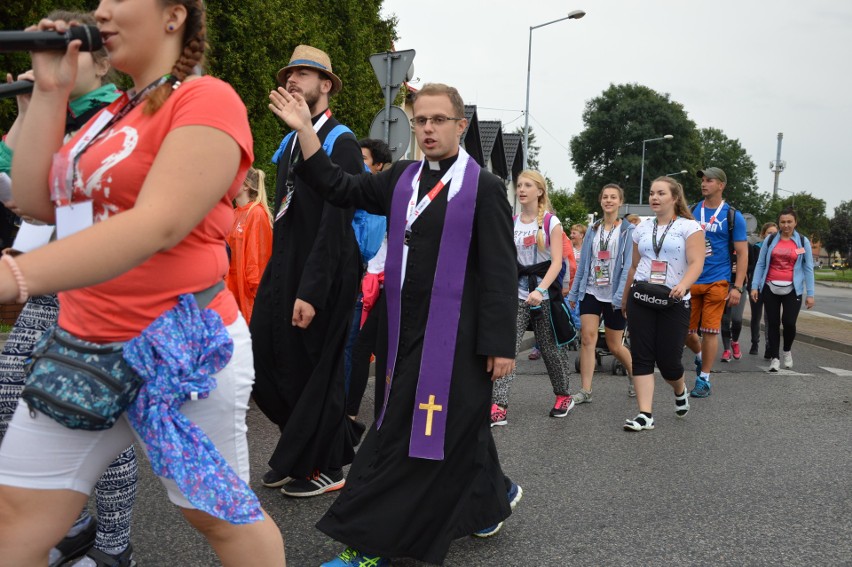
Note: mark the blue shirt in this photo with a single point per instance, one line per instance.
(717, 262)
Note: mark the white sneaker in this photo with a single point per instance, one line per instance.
(788, 359)
(774, 365)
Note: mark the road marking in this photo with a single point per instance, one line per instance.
(785, 372)
(846, 315)
(827, 316)
(838, 371)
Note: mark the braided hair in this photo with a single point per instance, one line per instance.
(194, 45)
(543, 203)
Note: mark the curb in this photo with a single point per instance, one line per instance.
(845, 285)
(812, 340)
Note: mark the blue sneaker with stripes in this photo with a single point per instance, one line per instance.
(515, 494)
(701, 389)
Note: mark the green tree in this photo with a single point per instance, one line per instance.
(532, 153)
(812, 222)
(839, 237)
(609, 149)
(741, 190)
(569, 208)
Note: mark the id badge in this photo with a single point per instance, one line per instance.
(529, 240)
(602, 277)
(708, 248)
(800, 251)
(658, 271)
(73, 218)
(603, 255)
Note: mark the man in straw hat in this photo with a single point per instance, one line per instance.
(305, 299)
(428, 471)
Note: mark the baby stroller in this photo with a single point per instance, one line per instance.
(601, 350)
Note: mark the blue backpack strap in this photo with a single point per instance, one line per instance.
(328, 143)
(281, 147)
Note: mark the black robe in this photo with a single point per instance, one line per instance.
(394, 505)
(299, 380)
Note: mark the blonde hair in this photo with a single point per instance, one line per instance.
(544, 205)
(581, 228)
(681, 208)
(255, 181)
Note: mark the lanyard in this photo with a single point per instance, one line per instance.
(715, 214)
(294, 159)
(605, 245)
(120, 108)
(415, 209)
(659, 247)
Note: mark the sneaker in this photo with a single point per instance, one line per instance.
(562, 406)
(72, 547)
(515, 494)
(774, 365)
(788, 359)
(582, 397)
(735, 350)
(351, 557)
(639, 423)
(631, 390)
(682, 403)
(766, 355)
(498, 415)
(697, 366)
(753, 348)
(318, 483)
(726, 356)
(701, 389)
(101, 559)
(535, 354)
(274, 479)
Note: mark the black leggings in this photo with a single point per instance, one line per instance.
(657, 337)
(756, 316)
(773, 304)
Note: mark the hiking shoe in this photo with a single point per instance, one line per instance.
(535, 354)
(72, 547)
(753, 348)
(351, 557)
(515, 494)
(639, 423)
(682, 403)
(726, 356)
(788, 359)
(701, 389)
(318, 483)
(582, 397)
(562, 406)
(102, 559)
(274, 479)
(774, 365)
(735, 350)
(498, 415)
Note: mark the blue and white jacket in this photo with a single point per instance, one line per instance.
(623, 258)
(803, 269)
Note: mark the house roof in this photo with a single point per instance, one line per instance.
(514, 153)
(470, 137)
(491, 134)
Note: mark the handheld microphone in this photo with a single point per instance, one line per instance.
(8, 90)
(11, 41)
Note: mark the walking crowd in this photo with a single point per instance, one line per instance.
(172, 293)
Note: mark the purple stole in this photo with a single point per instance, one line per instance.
(431, 403)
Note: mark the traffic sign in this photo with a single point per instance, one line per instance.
(391, 69)
(397, 128)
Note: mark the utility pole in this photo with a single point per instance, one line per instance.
(777, 166)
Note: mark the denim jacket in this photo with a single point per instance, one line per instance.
(623, 258)
(803, 269)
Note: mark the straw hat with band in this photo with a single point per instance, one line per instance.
(311, 58)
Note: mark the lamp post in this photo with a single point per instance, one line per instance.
(642, 174)
(573, 15)
(793, 193)
(681, 172)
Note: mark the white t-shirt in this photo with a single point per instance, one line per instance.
(601, 270)
(673, 251)
(528, 251)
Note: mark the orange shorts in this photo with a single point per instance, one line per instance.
(708, 305)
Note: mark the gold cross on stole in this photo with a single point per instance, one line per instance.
(430, 408)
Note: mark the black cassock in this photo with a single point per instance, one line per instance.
(299, 380)
(394, 505)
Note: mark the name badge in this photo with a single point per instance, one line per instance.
(658, 271)
(529, 240)
(800, 251)
(603, 255)
(602, 277)
(73, 218)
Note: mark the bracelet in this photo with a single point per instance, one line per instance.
(541, 291)
(19, 278)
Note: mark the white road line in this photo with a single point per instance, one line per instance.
(837, 371)
(846, 315)
(785, 372)
(827, 316)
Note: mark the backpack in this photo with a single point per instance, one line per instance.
(546, 221)
(369, 229)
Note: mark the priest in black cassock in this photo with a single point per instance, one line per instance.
(304, 302)
(428, 471)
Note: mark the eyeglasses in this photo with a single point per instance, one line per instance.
(439, 120)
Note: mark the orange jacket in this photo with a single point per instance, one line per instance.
(251, 245)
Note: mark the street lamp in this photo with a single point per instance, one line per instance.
(573, 15)
(681, 172)
(642, 174)
(793, 193)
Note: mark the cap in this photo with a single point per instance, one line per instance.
(712, 173)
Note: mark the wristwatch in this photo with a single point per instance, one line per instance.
(740, 289)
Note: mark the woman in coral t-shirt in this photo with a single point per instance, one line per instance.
(150, 193)
(250, 241)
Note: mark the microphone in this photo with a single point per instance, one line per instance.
(11, 41)
(8, 90)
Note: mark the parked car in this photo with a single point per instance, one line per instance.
(837, 265)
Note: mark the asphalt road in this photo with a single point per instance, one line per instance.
(758, 474)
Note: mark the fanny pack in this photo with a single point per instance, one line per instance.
(655, 296)
(81, 384)
(780, 289)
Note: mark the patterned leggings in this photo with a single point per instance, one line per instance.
(115, 492)
(555, 358)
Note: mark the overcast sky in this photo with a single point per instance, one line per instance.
(752, 68)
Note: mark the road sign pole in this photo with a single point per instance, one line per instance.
(388, 101)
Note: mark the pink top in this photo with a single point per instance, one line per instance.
(782, 262)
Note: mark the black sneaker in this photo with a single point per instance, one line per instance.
(76, 546)
(753, 348)
(318, 483)
(101, 559)
(274, 479)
